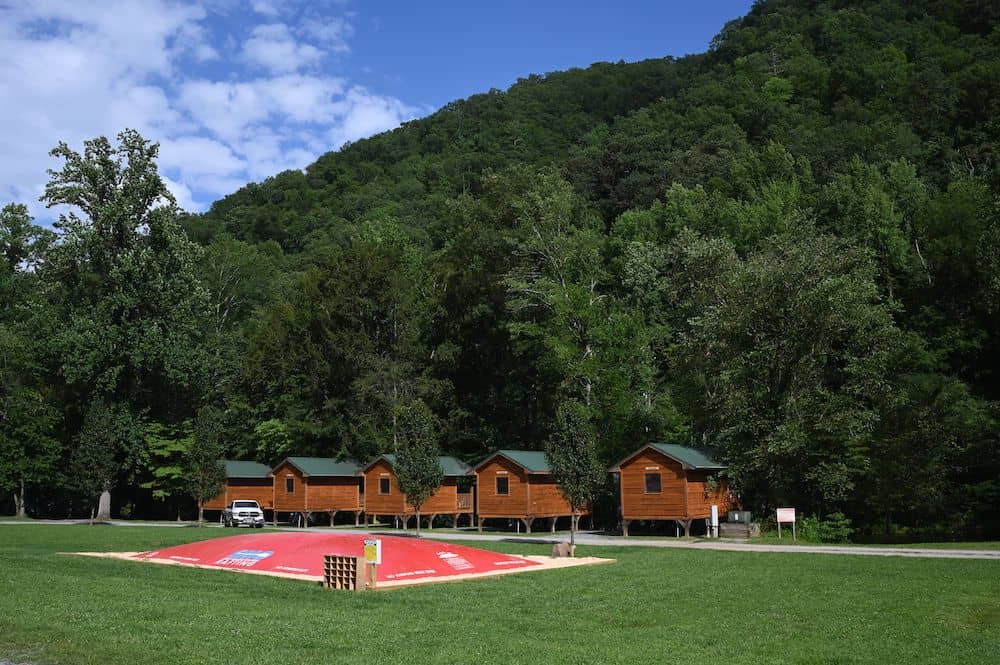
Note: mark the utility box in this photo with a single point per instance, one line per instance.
(739, 516)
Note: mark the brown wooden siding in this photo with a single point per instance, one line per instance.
(333, 493)
(636, 503)
(701, 496)
(382, 504)
(257, 489)
(514, 504)
(672, 502)
(444, 501)
(547, 500)
(284, 501)
(531, 495)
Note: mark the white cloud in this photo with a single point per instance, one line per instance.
(70, 71)
(331, 32)
(272, 47)
(265, 7)
(361, 113)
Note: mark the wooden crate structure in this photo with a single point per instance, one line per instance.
(343, 572)
(665, 481)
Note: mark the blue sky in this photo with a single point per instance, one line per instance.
(237, 90)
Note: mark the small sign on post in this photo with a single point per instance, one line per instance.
(373, 557)
(786, 515)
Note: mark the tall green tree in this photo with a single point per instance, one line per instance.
(418, 469)
(29, 448)
(131, 308)
(573, 456)
(559, 296)
(784, 357)
(202, 467)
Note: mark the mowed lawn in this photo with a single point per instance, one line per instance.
(653, 606)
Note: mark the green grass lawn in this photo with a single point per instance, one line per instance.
(770, 539)
(653, 606)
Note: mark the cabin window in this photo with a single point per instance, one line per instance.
(383, 485)
(653, 483)
(290, 485)
(503, 485)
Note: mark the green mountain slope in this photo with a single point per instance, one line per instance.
(786, 249)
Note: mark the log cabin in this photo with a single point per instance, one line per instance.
(383, 495)
(665, 481)
(305, 485)
(245, 480)
(518, 484)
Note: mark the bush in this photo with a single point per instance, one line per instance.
(836, 528)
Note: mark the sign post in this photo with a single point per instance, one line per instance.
(373, 557)
(786, 515)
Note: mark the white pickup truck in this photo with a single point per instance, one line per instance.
(243, 513)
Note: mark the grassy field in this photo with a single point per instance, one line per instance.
(653, 606)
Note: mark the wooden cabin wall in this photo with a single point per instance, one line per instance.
(285, 501)
(382, 504)
(333, 493)
(260, 490)
(547, 500)
(701, 497)
(444, 500)
(668, 504)
(511, 505)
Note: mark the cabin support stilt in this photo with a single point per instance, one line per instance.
(687, 527)
(552, 525)
(527, 523)
(357, 517)
(625, 524)
(430, 521)
(333, 514)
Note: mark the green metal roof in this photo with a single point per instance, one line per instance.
(451, 466)
(324, 466)
(533, 461)
(241, 469)
(691, 458)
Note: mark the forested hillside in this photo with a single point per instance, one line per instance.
(785, 250)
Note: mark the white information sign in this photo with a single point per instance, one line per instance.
(786, 515)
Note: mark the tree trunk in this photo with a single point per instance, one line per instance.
(104, 506)
(572, 533)
(418, 521)
(19, 502)
(201, 513)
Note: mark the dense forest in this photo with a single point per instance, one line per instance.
(785, 250)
